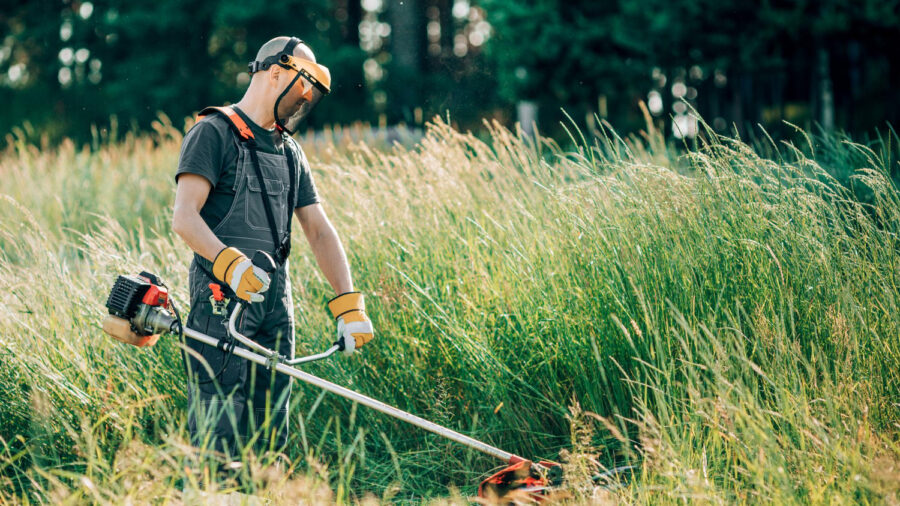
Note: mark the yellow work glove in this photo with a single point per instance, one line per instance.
(353, 326)
(246, 280)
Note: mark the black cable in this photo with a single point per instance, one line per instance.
(178, 326)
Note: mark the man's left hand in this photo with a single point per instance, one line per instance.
(353, 325)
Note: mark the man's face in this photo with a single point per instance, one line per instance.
(291, 102)
(300, 85)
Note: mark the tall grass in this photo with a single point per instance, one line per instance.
(725, 321)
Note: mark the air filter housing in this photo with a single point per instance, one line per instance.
(126, 294)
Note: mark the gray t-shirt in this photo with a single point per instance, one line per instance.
(210, 149)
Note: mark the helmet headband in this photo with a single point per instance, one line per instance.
(288, 50)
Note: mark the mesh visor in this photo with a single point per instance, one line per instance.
(312, 82)
(307, 102)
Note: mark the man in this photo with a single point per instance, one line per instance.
(240, 176)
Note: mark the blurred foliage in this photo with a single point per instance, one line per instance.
(69, 64)
(751, 62)
(164, 56)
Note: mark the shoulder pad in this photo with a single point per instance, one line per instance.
(237, 123)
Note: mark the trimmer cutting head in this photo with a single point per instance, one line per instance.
(522, 478)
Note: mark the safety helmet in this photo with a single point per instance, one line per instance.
(317, 83)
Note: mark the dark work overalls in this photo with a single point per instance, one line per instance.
(241, 400)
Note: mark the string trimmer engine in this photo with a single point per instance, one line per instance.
(139, 309)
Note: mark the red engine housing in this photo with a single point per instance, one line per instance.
(156, 296)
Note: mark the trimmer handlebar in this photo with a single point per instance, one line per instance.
(270, 354)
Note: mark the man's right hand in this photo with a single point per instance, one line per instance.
(246, 280)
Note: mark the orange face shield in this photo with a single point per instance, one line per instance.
(316, 84)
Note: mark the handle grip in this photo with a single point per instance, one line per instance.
(264, 261)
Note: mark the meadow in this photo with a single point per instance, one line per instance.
(723, 315)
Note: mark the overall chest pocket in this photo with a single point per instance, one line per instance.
(255, 210)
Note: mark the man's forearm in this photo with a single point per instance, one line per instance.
(196, 233)
(332, 260)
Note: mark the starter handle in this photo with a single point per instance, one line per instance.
(217, 292)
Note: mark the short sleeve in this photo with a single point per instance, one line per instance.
(202, 151)
(306, 187)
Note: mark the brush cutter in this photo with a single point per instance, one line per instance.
(140, 309)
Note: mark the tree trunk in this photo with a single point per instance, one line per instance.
(737, 104)
(354, 18)
(826, 98)
(407, 41)
(527, 113)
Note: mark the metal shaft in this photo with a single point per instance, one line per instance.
(362, 399)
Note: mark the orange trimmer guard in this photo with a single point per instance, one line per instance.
(521, 478)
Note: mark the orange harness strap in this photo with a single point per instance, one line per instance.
(234, 118)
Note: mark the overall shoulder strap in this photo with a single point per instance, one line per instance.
(293, 167)
(282, 245)
(237, 123)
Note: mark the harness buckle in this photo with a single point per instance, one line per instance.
(283, 250)
(219, 307)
